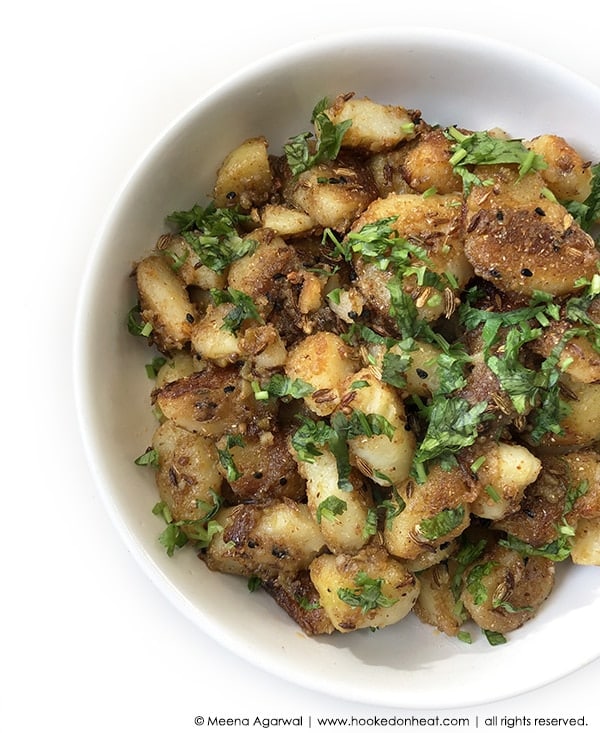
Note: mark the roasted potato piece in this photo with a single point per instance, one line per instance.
(164, 303)
(567, 488)
(263, 347)
(502, 590)
(435, 224)
(332, 194)
(245, 177)
(180, 364)
(429, 558)
(342, 515)
(299, 599)
(435, 512)
(436, 604)
(273, 541)
(212, 402)
(286, 221)
(585, 548)
(187, 263)
(579, 357)
(422, 374)
(426, 164)
(375, 127)
(386, 169)
(322, 360)
(212, 340)
(385, 459)
(262, 274)
(266, 469)
(367, 590)
(520, 240)
(568, 176)
(502, 477)
(187, 471)
(581, 426)
(347, 304)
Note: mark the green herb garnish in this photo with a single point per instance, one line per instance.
(330, 508)
(298, 151)
(213, 234)
(368, 596)
(480, 148)
(243, 308)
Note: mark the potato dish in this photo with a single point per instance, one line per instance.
(376, 365)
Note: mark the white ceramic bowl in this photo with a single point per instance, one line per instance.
(451, 78)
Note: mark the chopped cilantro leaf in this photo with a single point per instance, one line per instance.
(243, 308)
(282, 386)
(442, 523)
(394, 368)
(480, 148)
(226, 458)
(148, 458)
(468, 553)
(330, 508)
(199, 531)
(136, 325)
(474, 584)
(453, 424)
(213, 234)
(495, 638)
(299, 154)
(368, 594)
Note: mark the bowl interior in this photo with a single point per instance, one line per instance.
(453, 79)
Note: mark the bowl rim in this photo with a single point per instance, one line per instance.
(437, 37)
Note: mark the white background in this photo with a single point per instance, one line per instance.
(88, 644)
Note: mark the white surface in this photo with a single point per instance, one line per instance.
(89, 644)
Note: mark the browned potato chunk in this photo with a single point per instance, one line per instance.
(578, 357)
(436, 604)
(187, 263)
(435, 223)
(435, 512)
(181, 364)
(164, 303)
(244, 177)
(586, 543)
(344, 528)
(212, 402)
(261, 274)
(366, 590)
(276, 540)
(386, 169)
(299, 599)
(502, 478)
(581, 426)
(568, 176)
(323, 360)
(286, 221)
(520, 240)
(427, 164)
(502, 591)
(567, 489)
(385, 459)
(212, 340)
(266, 469)
(375, 127)
(187, 471)
(332, 194)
